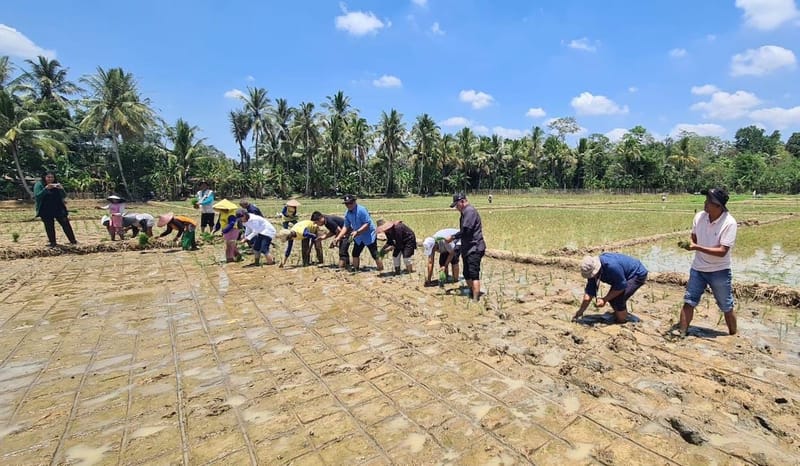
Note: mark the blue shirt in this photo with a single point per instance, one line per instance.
(616, 269)
(355, 219)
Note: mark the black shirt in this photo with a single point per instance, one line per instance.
(333, 223)
(471, 233)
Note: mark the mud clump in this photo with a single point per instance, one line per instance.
(687, 433)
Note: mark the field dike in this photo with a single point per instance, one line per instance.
(79, 249)
(774, 294)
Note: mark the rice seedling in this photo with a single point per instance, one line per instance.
(143, 240)
(15, 236)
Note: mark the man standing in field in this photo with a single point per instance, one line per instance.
(472, 245)
(625, 275)
(359, 225)
(205, 201)
(713, 236)
(334, 224)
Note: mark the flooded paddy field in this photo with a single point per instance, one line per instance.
(170, 357)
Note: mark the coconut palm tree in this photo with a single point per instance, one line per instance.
(256, 105)
(338, 106)
(47, 81)
(682, 159)
(116, 110)
(391, 130)
(185, 149)
(281, 123)
(6, 69)
(240, 128)
(306, 134)
(425, 134)
(17, 125)
(360, 140)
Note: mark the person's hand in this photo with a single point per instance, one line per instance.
(600, 302)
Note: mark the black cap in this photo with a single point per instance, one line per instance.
(457, 197)
(348, 199)
(717, 195)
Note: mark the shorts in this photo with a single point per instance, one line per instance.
(720, 283)
(207, 220)
(373, 249)
(443, 262)
(344, 249)
(407, 250)
(261, 244)
(472, 265)
(620, 303)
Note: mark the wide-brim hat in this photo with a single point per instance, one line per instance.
(225, 206)
(590, 266)
(385, 225)
(114, 197)
(293, 203)
(163, 219)
(718, 196)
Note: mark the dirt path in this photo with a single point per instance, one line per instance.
(161, 357)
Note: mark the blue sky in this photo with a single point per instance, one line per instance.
(496, 66)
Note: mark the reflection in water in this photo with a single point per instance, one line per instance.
(775, 266)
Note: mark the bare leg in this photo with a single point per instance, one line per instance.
(687, 314)
(475, 286)
(621, 316)
(356, 262)
(730, 319)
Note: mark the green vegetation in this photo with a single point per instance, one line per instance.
(143, 239)
(15, 237)
(108, 137)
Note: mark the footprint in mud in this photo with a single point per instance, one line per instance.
(686, 432)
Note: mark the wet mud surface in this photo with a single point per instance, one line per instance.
(168, 357)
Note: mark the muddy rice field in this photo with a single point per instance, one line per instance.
(113, 355)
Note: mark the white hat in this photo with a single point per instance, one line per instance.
(590, 266)
(104, 220)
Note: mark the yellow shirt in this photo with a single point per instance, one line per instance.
(300, 226)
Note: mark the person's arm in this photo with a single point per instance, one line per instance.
(718, 251)
(167, 231)
(229, 227)
(39, 190)
(584, 304)
(429, 268)
(589, 292)
(308, 234)
(208, 199)
(614, 275)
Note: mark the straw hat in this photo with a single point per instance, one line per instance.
(225, 206)
(293, 203)
(164, 219)
(384, 225)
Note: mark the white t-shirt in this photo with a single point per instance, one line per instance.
(721, 232)
(429, 243)
(258, 226)
(150, 221)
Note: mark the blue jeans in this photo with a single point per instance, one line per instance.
(720, 283)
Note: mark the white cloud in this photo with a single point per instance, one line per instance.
(457, 121)
(436, 29)
(761, 61)
(234, 94)
(767, 14)
(14, 43)
(387, 80)
(777, 117)
(535, 112)
(705, 89)
(358, 23)
(477, 99)
(615, 135)
(420, 2)
(481, 129)
(509, 133)
(677, 53)
(725, 106)
(582, 44)
(702, 129)
(588, 104)
(249, 78)
(633, 89)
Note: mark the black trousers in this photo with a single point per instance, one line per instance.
(50, 228)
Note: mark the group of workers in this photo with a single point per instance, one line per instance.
(713, 235)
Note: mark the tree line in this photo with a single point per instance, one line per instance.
(101, 135)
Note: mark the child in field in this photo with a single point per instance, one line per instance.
(230, 233)
(116, 210)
